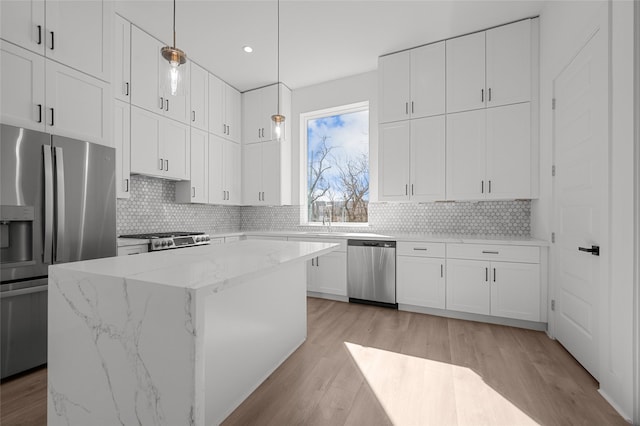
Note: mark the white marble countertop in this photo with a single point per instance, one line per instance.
(210, 266)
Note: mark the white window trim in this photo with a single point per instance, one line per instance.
(312, 115)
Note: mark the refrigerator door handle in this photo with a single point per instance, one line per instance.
(48, 204)
(60, 204)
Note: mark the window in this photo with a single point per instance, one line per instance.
(337, 164)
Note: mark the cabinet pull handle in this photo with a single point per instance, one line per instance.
(126, 93)
(313, 261)
(193, 116)
(490, 252)
(489, 187)
(258, 133)
(161, 102)
(127, 185)
(39, 113)
(420, 249)
(193, 192)
(317, 261)
(406, 189)
(411, 107)
(52, 117)
(482, 187)
(489, 94)
(486, 274)
(39, 34)
(166, 164)
(167, 105)
(406, 108)
(228, 130)
(482, 95)
(161, 164)
(441, 270)
(494, 275)
(228, 195)
(411, 189)
(52, 40)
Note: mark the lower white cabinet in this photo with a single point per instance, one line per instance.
(159, 146)
(135, 249)
(504, 289)
(420, 281)
(196, 189)
(328, 274)
(122, 144)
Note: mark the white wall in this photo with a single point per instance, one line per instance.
(344, 91)
(564, 28)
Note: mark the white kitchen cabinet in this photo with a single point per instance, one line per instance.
(150, 79)
(489, 153)
(328, 274)
(224, 110)
(77, 105)
(412, 160)
(199, 97)
(122, 144)
(121, 74)
(77, 34)
(159, 146)
(468, 287)
(421, 280)
(257, 108)
(489, 68)
(224, 171)
(412, 83)
(131, 250)
(515, 290)
(266, 173)
(22, 102)
(196, 189)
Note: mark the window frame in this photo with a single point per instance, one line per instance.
(304, 143)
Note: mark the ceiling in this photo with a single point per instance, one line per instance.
(320, 40)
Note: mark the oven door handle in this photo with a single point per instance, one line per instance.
(23, 291)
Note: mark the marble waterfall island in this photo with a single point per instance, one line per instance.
(177, 337)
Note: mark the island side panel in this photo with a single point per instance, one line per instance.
(120, 351)
(249, 330)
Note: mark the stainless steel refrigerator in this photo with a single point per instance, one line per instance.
(57, 204)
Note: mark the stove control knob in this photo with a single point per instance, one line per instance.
(164, 244)
(207, 238)
(170, 243)
(156, 244)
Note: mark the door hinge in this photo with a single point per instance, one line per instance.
(553, 103)
(553, 237)
(553, 305)
(553, 170)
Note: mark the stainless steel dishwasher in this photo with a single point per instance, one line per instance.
(371, 272)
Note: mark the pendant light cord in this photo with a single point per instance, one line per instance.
(278, 38)
(174, 24)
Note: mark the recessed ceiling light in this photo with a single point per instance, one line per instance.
(248, 49)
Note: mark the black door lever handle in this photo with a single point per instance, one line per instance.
(594, 250)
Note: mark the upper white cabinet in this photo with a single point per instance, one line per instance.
(225, 110)
(122, 144)
(257, 108)
(225, 163)
(199, 94)
(196, 189)
(412, 160)
(76, 34)
(266, 173)
(489, 154)
(412, 83)
(121, 82)
(159, 146)
(489, 68)
(150, 79)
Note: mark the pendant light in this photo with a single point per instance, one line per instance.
(278, 120)
(175, 57)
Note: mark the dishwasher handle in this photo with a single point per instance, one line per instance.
(367, 243)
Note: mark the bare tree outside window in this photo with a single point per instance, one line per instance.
(338, 167)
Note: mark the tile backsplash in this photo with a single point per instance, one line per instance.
(152, 208)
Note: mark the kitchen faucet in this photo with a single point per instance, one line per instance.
(326, 218)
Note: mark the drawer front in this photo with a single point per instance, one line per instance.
(420, 249)
(343, 243)
(127, 250)
(502, 253)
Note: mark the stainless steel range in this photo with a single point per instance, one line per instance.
(171, 240)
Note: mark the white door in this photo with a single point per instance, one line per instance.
(233, 113)
(466, 73)
(121, 58)
(122, 144)
(515, 290)
(251, 122)
(421, 281)
(509, 152)
(394, 161)
(145, 134)
(509, 64)
(217, 125)
(22, 23)
(331, 273)
(468, 288)
(466, 155)
(144, 71)
(428, 80)
(252, 173)
(175, 149)
(271, 173)
(199, 80)
(21, 87)
(78, 35)
(216, 169)
(78, 105)
(199, 166)
(580, 200)
(428, 159)
(232, 175)
(395, 78)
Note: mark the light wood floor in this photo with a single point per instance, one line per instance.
(363, 365)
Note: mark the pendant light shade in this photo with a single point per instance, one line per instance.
(278, 120)
(175, 57)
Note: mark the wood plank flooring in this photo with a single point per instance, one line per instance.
(363, 365)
